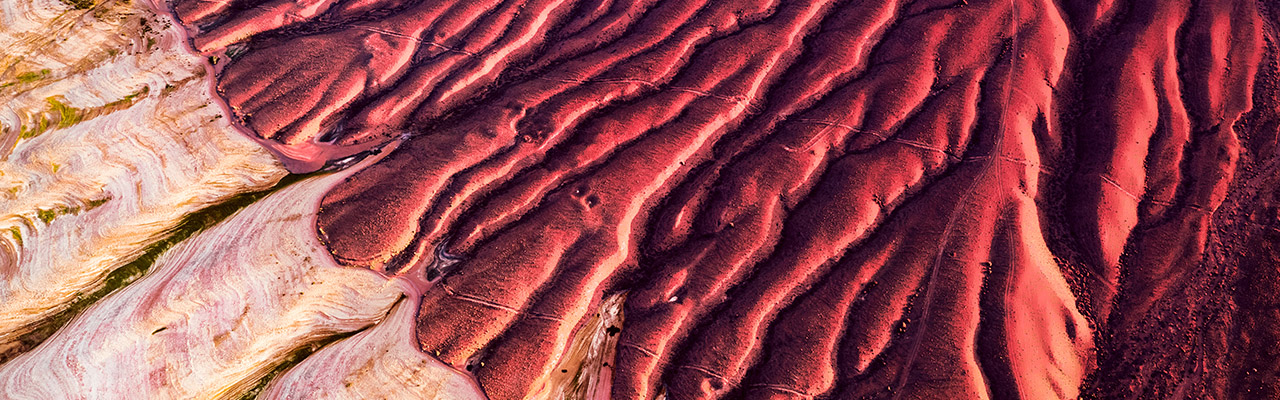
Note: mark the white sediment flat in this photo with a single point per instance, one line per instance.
(220, 310)
(147, 146)
(383, 362)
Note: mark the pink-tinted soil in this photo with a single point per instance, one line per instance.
(819, 198)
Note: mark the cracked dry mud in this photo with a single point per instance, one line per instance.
(646, 199)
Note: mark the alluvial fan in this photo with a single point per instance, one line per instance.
(648, 199)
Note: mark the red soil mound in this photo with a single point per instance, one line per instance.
(859, 198)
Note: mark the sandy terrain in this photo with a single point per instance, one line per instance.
(759, 199)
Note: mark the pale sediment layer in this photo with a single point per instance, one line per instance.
(585, 370)
(110, 138)
(215, 315)
(382, 362)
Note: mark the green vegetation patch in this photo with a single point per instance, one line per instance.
(27, 77)
(128, 100)
(41, 125)
(92, 204)
(62, 115)
(67, 115)
(79, 4)
(33, 76)
(47, 216)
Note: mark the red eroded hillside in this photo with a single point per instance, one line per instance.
(817, 198)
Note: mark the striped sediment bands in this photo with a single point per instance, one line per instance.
(109, 140)
(844, 199)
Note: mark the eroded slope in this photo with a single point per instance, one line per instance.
(862, 198)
